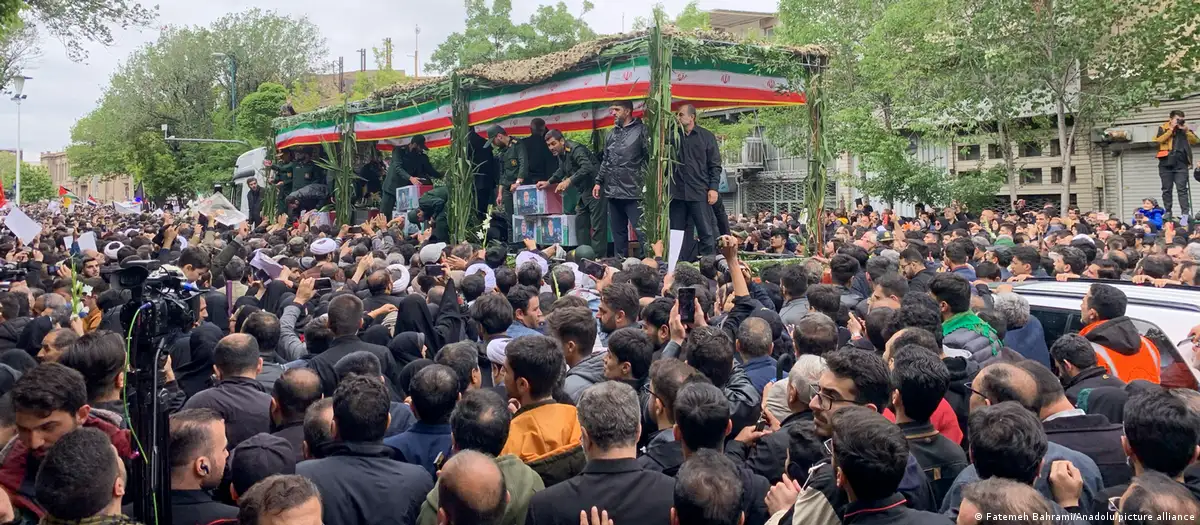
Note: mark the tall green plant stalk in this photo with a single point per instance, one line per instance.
(270, 192)
(460, 177)
(818, 160)
(339, 168)
(663, 130)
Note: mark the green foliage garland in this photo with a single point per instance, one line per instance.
(460, 175)
(662, 129)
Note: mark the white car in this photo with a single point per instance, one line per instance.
(1173, 310)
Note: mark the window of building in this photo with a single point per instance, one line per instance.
(1056, 148)
(970, 152)
(1031, 149)
(1031, 176)
(1056, 175)
(994, 151)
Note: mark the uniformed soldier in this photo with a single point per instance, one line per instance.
(432, 207)
(283, 176)
(577, 168)
(396, 178)
(514, 169)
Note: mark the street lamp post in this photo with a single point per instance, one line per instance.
(18, 96)
(233, 67)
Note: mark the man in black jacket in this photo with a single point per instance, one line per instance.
(694, 184)
(293, 393)
(609, 415)
(710, 351)
(620, 176)
(358, 480)
(11, 321)
(854, 378)
(664, 453)
(702, 422)
(254, 201)
(912, 265)
(238, 397)
(871, 455)
(920, 380)
(1078, 368)
(264, 328)
(198, 455)
(345, 318)
(1091, 434)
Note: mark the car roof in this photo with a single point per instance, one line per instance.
(1169, 297)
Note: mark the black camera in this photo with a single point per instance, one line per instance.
(10, 273)
(162, 300)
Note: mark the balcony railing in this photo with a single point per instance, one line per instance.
(752, 156)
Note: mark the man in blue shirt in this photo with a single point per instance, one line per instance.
(434, 392)
(527, 312)
(754, 348)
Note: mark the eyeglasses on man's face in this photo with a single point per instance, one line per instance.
(826, 401)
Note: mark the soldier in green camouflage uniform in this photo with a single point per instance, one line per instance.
(514, 169)
(577, 169)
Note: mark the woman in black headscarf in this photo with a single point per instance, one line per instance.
(377, 335)
(240, 315)
(407, 347)
(196, 375)
(449, 326)
(218, 309)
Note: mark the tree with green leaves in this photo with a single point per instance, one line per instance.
(75, 22)
(35, 179)
(256, 111)
(490, 34)
(18, 47)
(176, 81)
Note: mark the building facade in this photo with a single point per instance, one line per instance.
(59, 167)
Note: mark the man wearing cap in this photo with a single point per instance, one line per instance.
(416, 162)
(577, 168)
(514, 167)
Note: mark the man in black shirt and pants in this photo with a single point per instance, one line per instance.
(694, 188)
(1175, 141)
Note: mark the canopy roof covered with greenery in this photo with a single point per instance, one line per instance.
(710, 69)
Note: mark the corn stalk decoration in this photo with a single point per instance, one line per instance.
(460, 177)
(818, 160)
(270, 192)
(663, 130)
(339, 168)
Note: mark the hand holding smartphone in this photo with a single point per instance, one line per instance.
(686, 296)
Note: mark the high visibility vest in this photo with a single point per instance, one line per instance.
(1146, 364)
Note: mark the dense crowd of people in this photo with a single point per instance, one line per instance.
(367, 375)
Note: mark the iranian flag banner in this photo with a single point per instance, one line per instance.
(307, 134)
(417, 119)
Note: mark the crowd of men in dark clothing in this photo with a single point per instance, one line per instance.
(366, 378)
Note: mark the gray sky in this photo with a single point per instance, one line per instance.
(63, 91)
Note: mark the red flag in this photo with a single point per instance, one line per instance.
(3, 199)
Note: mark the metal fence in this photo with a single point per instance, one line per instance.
(778, 192)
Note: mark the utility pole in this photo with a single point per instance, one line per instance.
(416, 52)
(387, 52)
(233, 67)
(362, 58)
(341, 75)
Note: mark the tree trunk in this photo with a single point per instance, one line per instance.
(1064, 150)
(1010, 165)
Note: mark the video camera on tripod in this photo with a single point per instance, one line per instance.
(160, 303)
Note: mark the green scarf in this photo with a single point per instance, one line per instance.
(972, 322)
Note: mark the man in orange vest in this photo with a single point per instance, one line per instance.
(1175, 141)
(1119, 347)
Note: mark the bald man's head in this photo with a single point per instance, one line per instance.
(1002, 382)
(471, 490)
